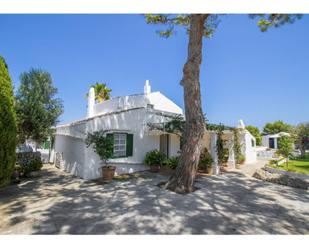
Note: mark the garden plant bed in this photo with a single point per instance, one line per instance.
(298, 165)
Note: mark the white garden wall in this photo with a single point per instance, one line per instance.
(73, 154)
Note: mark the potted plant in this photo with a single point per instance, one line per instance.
(104, 147)
(154, 159)
(205, 162)
(241, 159)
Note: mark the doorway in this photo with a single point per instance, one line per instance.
(164, 144)
(271, 143)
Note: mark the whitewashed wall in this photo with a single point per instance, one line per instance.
(174, 148)
(249, 150)
(157, 99)
(73, 154)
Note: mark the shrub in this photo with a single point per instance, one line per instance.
(7, 125)
(273, 162)
(285, 148)
(241, 159)
(154, 157)
(103, 145)
(226, 155)
(172, 162)
(28, 162)
(205, 160)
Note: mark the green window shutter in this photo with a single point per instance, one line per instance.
(129, 149)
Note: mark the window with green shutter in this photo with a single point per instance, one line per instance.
(123, 144)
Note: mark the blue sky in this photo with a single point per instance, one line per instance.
(258, 77)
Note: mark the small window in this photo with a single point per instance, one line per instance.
(150, 106)
(120, 144)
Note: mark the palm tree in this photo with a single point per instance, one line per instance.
(101, 91)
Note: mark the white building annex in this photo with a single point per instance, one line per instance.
(271, 140)
(136, 123)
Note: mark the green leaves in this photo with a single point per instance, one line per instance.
(103, 145)
(276, 127)
(7, 125)
(36, 106)
(154, 157)
(171, 21)
(101, 92)
(256, 133)
(267, 21)
(285, 145)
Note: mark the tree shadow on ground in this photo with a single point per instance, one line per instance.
(58, 203)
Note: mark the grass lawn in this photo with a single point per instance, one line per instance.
(300, 165)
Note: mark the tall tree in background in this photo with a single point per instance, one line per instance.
(7, 125)
(302, 137)
(37, 108)
(276, 127)
(198, 26)
(101, 92)
(256, 133)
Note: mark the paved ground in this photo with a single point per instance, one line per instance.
(233, 203)
(249, 169)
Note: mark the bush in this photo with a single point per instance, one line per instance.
(273, 162)
(7, 125)
(103, 145)
(172, 162)
(241, 159)
(205, 160)
(28, 162)
(226, 156)
(154, 157)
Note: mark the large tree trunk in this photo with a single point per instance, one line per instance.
(182, 181)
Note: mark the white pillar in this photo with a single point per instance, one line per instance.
(147, 88)
(213, 152)
(91, 103)
(231, 160)
(275, 143)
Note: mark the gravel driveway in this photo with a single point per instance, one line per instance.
(232, 203)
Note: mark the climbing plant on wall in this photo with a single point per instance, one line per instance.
(237, 146)
(220, 145)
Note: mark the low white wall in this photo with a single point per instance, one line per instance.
(249, 150)
(73, 154)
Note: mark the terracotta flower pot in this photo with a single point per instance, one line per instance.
(108, 173)
(209, 170)
(154, 168)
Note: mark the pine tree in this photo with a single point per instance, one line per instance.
(7, 125)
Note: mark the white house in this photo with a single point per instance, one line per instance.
(137, 123)
(131, 119)
(271, 140)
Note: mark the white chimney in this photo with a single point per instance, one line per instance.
(241, 124)
(147, 88)
(91, 103)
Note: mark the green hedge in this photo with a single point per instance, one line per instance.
(7, 125)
